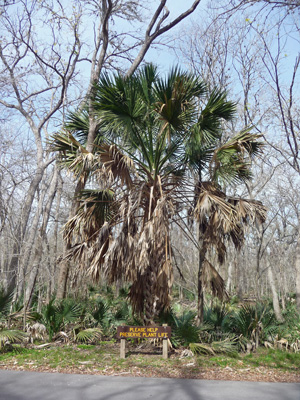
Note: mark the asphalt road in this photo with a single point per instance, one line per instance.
(15, 385)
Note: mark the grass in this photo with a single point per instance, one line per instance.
(267, 358)
(104, 358)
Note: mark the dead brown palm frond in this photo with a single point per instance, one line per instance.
(115, 163)
(98, 252)
(249, 210)
(88, 232)
(83, 162)
(96, 207)
(222, 218)
(224, 213)
(212, 280)
(73, 156)
(212, 202)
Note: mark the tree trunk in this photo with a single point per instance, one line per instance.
(297, 268)
(240, 287)
(22, 227)
(200, 292)
(200, 301)
(275, 298)
(40, 240)
(229, 279)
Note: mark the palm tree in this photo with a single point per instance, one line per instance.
(140, 169)
(148, 125)
(217, 163)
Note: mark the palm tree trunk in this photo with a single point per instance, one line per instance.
(200, 303)
(150, 308)
(200, 292)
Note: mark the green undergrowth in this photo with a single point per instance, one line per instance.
(105, 357)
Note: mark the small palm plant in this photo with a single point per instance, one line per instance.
(255, 323)
(7, 336)
(184, 330)
(56, 316)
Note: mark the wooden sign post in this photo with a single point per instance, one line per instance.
(143, 332)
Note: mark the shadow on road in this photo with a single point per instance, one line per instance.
(17, 385)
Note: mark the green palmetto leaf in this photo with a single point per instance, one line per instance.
(184, 329)
(69, 310)
(217, 109)
(147, 76)
(78, 124)
(12, 336)
(118, 104)
(226, 346)
(89, 335)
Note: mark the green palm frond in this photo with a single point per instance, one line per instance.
(56, 316)
(77, 123)
(118, 105)
(206, 133)
(175, 104)
(232, 160)
(89, 335)
(11, 336)
(69, 310)
(146, 78)
(64, 142)
(218, 317)
(226, 346)
(217, 109)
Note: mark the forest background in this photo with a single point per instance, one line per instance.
(51, 55)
